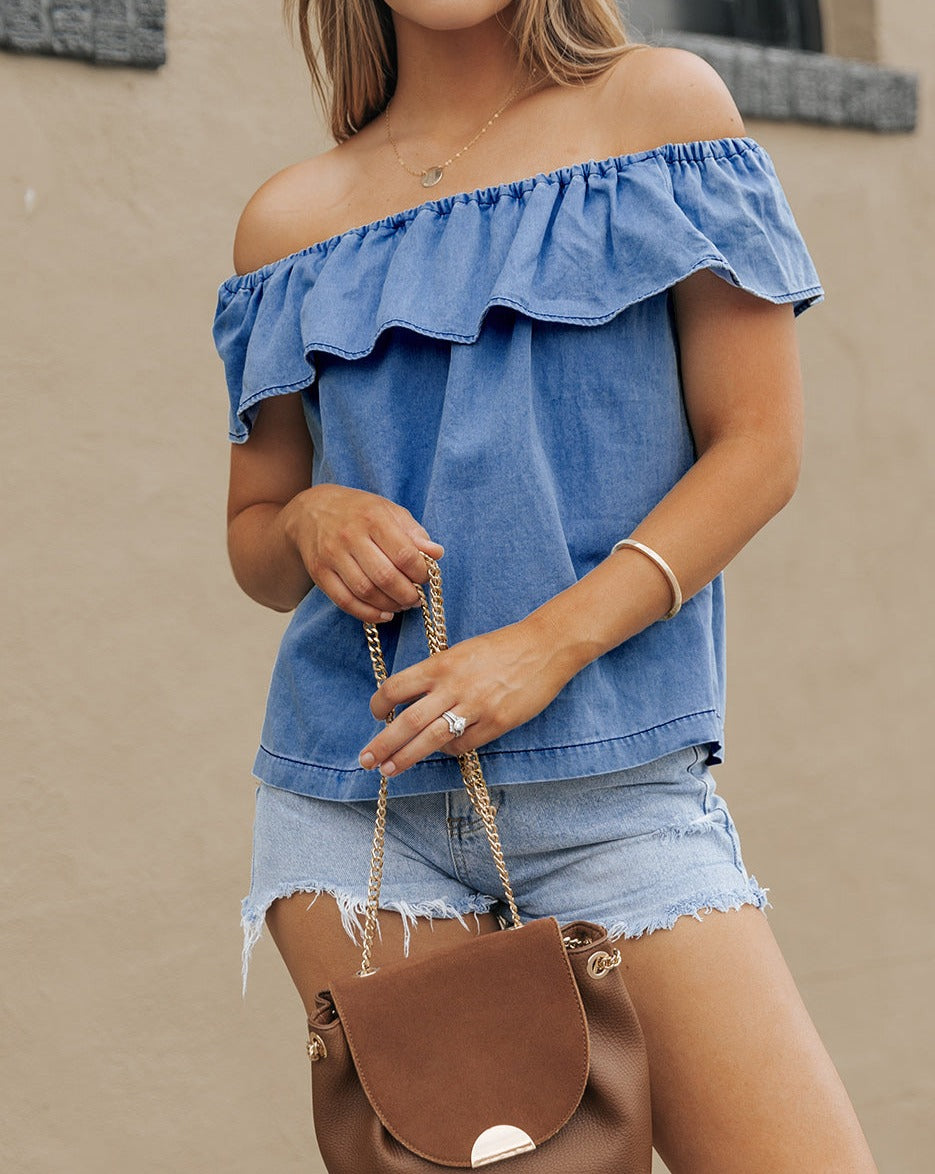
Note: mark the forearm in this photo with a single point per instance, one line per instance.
(734, 488)
(264, 559)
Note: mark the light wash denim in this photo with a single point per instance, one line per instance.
(633, 850)
(504, 364)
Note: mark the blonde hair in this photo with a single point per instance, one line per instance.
(568, 41)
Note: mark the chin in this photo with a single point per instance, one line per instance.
(447, 14)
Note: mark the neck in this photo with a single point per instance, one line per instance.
(449, 82)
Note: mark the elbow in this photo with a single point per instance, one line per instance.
(787, 468)
(277, 605)
(773, 472)
(784, 482)
(275, 596)
(764, 468)
(259, 581)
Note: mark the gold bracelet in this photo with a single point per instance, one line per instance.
(662, 565)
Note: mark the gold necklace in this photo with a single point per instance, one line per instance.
(431, 175)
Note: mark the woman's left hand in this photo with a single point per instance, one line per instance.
(495, 682)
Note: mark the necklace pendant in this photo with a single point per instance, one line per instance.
(431, 177)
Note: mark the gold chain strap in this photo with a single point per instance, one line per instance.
(433, 616)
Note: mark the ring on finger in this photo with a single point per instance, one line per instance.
(456, 723)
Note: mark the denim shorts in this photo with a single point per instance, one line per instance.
(633, 850)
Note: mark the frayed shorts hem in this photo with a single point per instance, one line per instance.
(693, 907)
(352, 907)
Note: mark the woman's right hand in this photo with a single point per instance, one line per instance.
(362, 550)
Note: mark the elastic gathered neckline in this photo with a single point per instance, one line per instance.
(695, 151)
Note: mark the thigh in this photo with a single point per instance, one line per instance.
(741, 1081)
(313, 941)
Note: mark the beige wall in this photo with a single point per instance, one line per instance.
(850, 28)
(134, 672)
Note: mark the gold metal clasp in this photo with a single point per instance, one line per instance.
(499, 1142)
(316, 1047)
(602, 963)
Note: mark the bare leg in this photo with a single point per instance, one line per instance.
(741, 1081)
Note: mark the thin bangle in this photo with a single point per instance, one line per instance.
(662, 565)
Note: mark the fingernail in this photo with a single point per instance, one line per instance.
(388, 767)
(385, 617)
(366, 761)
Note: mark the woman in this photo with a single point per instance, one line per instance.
(539, 298)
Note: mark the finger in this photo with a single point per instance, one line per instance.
(408, 724)
(420, 536)
(387, 577)
(477, 733)
(362, 587)
(430, 546)
(435, 736)
(403, 550)
(406, 686)
(336, 590)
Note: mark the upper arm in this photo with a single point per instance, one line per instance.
(739, 362)
(276, 462)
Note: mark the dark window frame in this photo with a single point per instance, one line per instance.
(786, 24)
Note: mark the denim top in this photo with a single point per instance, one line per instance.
(504, 364)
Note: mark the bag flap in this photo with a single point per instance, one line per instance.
(489, 1033)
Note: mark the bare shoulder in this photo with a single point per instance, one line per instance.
(290, 211)
(667, 95)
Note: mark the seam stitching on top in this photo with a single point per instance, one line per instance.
(571, 320)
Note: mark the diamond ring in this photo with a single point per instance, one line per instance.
(456, 724)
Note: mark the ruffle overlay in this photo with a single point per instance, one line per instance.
(576, 245)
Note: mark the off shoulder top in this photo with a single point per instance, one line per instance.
(504, 363)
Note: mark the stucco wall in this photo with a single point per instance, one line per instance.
(134, 672)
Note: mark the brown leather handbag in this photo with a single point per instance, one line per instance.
(520, 1046)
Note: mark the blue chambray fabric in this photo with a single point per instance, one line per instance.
(504, 364)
